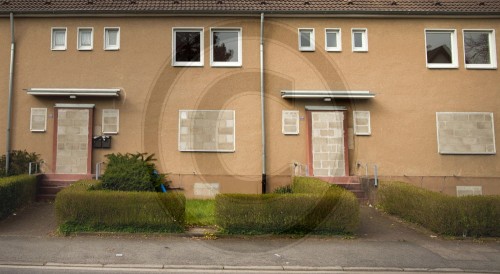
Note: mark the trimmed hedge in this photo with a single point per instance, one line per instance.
(456, 216)
(80, 208)
(16, 191)
(332, 211)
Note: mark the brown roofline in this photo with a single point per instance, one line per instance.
(399, 14)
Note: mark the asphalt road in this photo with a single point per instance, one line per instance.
(382, 244)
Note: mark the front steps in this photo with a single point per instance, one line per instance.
(50, 184)
(351, 183)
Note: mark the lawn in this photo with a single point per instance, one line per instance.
(200, 212)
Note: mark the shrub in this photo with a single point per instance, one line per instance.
(312, 185)
(18, 162)
(79, 208)
(15, 192)
(456, 216)
(131, 172)
(283, 189)
(334, 211)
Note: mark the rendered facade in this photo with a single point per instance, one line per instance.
(411, 87)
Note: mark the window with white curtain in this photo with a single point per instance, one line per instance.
(111, 38)
(85, 38)
(58, 39)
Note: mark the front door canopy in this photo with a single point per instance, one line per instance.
(322, 94)
(74, 92)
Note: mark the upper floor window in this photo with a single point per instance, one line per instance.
(225, 45)
(58, 39)
(85, 38)
(306, 39)
(111, 38)
(480, 49)
(360, 40)
(333, 40)
(441, 48)
(187, 48)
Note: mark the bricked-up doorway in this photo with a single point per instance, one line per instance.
(327, 139)
(73, 138)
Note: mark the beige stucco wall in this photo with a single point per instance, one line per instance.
(403, 112)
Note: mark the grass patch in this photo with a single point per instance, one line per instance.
(200, 212)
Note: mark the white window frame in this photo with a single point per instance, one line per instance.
(284, 115)
(117, 115)
(364, 39)
(52, 38)
(106, 45)
(176, 63)
(338, 31)
(492, 46)
(454, 50)
(79, 45)
(312, 39)
(369, 132)
(45, 119)
(240, 48)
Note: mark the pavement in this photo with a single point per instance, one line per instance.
(29, 244)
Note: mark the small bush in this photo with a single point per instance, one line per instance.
(283, 190)
(131, 172)
(333, 211)
(15, 192)
(456, 216)
(78, 208)
(18, 162)
(313, 186)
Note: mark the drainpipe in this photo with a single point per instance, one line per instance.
(264, 179)
(9, 108)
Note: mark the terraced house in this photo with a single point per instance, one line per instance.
(238, 96)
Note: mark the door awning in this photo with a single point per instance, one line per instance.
(323, 94)
(75, 92)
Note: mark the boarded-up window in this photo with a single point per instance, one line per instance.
(290, 122)
(469, 190)
(38, 121)
(465, 133)
(110, 121)
(207, 130)
(362, 123)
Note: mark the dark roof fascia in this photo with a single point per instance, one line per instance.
(335, 13)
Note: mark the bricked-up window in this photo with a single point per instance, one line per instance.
(441, 48)
(465, 133)
(306, 40)
(110, 121)
(362, 123)
(225, 45)
(290, 122)
(59, 39)
(207, 130)
(480, 49)
(38, 119)
(187, 47)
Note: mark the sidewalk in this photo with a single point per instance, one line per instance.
(383, 244)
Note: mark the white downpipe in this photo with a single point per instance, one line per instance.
(9, 108)
(262, 104)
